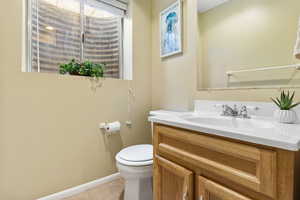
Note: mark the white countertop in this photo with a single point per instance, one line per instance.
(283, 136)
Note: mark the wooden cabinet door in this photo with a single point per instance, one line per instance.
(171, 181)
(209, 190)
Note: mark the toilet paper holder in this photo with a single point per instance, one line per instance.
(110, 128)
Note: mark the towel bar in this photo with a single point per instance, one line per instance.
(296, 66)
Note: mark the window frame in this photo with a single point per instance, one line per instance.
(28, 33)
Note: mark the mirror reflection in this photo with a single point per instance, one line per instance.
(246, 43)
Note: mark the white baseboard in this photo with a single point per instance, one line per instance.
(80, 188)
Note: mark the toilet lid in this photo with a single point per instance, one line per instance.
(138, 153)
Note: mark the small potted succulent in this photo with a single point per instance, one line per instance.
(86, 68)
(285, 103)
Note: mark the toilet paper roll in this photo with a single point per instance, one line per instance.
(113, 127)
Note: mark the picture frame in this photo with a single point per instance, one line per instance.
(171, 30)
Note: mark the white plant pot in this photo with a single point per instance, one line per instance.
(285, 116)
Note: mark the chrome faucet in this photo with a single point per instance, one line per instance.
(234, 112)
(228, 111)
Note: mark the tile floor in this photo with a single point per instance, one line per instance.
(110, 191)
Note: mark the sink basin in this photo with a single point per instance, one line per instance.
(230, 122)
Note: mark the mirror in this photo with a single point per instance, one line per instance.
(247, 44)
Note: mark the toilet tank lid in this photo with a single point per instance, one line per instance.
(137, 153)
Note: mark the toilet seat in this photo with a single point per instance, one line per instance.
(138, 155)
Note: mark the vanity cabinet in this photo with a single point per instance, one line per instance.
(197, 166)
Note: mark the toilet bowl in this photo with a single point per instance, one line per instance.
(135, 166)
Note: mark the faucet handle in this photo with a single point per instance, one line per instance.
(244, 112)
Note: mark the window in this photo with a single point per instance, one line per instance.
(62, 30)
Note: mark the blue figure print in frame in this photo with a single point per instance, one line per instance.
(170, 30)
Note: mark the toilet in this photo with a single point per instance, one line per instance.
(135, 166)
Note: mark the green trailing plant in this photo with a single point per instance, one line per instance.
(285, 101)
(86, 68)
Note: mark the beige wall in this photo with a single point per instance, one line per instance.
(245, 35)
(49, 136)
(174, 80)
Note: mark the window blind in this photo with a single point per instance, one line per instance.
(56, 39)
(119, 4)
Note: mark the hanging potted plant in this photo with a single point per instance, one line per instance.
(86, 68)
(285, 103)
